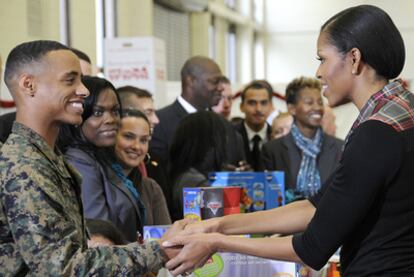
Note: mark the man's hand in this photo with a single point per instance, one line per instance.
(241, 166)
(197, 249)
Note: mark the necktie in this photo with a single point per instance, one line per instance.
(256, 153)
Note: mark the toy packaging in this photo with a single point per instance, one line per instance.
(207, 202)
(259, 190)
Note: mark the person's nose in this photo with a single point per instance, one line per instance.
(226, 102)
(135, 145)
(110, 117)
(154, 120)
(140, 147)
(319, 73)
(259, 107)
(82, 91)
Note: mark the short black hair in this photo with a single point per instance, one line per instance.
(25, 54)
(127, 91)
(257, 84)
(81, 55)
(372, 31)
(296, 85)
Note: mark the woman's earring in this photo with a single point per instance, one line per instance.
(147, 158)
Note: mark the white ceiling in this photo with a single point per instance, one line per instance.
(308, 15)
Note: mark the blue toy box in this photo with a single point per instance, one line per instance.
(262, 190)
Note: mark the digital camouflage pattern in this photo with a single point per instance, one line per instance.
(42, 230)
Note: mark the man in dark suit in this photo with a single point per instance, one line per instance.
(201, 89)
(306, 144)
(256, 104)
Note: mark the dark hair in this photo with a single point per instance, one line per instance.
(131, 90)
(126, 91)
(199, 141)
(135, 113)
(373, 32)
(27, 53)
(257, 84)
(70, 136)
(81, 55)
(296, 85)
(95, 85)
(105, 229)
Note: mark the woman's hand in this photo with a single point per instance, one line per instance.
(197, 249)
(205, 226)
(173, 231)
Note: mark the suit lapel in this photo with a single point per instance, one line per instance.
(179, 110)
(243, 132)
(268, 132)
(291, 157)
(117, 182)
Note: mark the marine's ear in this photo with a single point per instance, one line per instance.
(27, 84)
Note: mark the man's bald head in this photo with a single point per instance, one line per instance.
(200, 78)
(195, 66)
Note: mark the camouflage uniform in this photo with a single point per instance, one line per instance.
(42, 230)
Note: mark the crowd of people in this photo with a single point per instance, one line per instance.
(84, 166)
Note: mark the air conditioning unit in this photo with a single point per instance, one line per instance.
(185, 5)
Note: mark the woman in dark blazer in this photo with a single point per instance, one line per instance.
(87, 147)
(131, 149)
(306, 154)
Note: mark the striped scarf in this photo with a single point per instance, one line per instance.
(391, 105)
(308, 181)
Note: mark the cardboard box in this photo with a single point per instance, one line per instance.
(136, 61)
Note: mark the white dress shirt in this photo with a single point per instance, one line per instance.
(250, 134)
(187, 106)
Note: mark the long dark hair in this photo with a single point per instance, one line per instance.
(199, 142)
(71, 136)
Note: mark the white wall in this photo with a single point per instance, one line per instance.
(293, 28)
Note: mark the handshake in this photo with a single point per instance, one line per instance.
(188, 245)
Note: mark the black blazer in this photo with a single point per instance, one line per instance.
(243, 132)
(169, 116)
(6, 123)
(283, 154)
